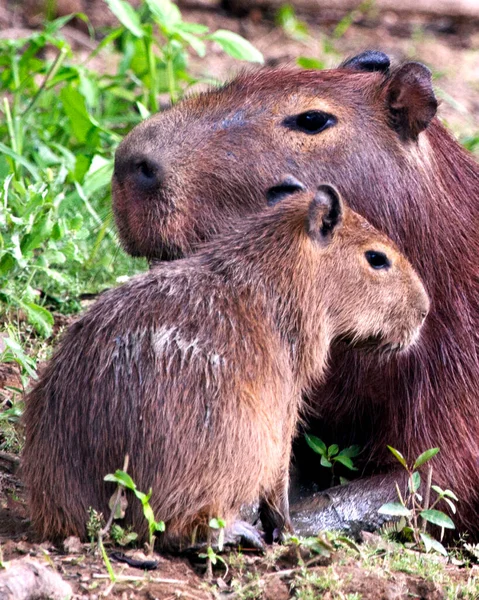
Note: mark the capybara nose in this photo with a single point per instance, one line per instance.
(142, 172)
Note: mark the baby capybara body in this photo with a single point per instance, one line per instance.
(184, 174)
(196, 369)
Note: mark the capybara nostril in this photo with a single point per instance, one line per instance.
(147, 173)
(141, 171)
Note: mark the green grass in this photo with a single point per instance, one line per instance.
(60, 124)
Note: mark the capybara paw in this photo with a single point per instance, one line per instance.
(245, 535)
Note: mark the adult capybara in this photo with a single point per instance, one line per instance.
(196, 369)
(183, 174)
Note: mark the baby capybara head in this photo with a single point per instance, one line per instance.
(368, 291)
(185, 174)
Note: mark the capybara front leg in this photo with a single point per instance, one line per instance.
(274, 511)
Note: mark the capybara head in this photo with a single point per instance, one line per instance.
(184, 174)
(367, 290)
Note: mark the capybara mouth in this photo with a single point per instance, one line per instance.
(372, 342)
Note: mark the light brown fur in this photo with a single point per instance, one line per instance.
(197, 368)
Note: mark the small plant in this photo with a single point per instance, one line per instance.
(122, 537)
(292, 26)
(13, 353)
(122, 479)
(318, 545)
(94, 524)
(155, 41)
(332, 455)
(415, 510)
(212, 557)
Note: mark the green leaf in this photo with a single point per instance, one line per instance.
(54, 257)
(149, 516)
(127, 16)
(351, 451)
(306, 62)
(75, 108)
(414, 482)
(325, 462)
(166, 13)
(98, 175)
(160, 526)
(333, 450)
(451, 504)
(398, 456)
(198, 45)
(212, 555)
(144, 112)
(195, 28)
(19, 356)
(39, 317)
(316, 444)
(40, 232)
(346, 461)
(221, 539)
(236, 46)
(122, 478)
(395, 509)
(214, 524)
(449, 494)
(21, 161)
(432, 544)
(436, 517)
(425, 456)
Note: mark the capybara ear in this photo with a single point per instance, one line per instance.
(325, 214)
(289, 185)
(371, 60)
(411, 100)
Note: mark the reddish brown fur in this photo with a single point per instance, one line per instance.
(401, 170)
(196, 369)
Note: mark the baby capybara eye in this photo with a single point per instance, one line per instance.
(312, 121)
(377, 260)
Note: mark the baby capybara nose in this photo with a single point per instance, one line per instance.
(142, 172)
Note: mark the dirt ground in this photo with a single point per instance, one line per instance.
(374, 569)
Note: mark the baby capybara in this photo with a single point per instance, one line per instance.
(185, 174)
(196, 369)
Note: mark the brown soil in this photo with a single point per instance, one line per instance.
(282, 573)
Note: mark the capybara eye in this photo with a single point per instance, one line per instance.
(312, 121)
(377, 260)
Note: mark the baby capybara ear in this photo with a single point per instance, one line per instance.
(411, 100)
(289, 185)
(325, 214)
(371, 60)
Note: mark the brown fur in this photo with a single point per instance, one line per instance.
(402, 170)
(196, 369)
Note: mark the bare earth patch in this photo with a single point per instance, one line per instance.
(374, 570)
